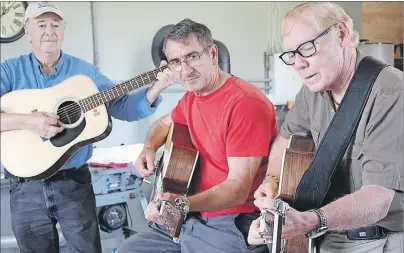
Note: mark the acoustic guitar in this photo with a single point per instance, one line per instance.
(174, 174)
(82, 111)
(296, 160)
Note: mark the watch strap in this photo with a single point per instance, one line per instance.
(323, 224)
(321, 217)
(183, 205)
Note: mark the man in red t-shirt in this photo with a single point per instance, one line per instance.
(232, 125)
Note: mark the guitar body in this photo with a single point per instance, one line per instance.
(174, 174)
(82, 111)
(296, 160)
(25, 154)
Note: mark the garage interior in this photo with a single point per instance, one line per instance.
(119, 37)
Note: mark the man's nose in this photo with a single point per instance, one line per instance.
(300, 62)
(185, 68)
(50, 30)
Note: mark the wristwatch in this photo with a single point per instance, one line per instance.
(322, 229)
(183, 205)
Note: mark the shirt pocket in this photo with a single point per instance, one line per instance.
(356, 153)
(315, 135)
(355, 166)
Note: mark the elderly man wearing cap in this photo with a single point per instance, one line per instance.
(67, 197)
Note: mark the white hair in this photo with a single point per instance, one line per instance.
(26, 23)
(321, 15)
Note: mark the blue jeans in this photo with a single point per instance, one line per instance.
(222, 234)
(67, 198)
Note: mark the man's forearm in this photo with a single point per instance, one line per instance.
(365, 206)
(152, 93)
(229, 193)
(12, 121)
(157, 135)
(276, 155)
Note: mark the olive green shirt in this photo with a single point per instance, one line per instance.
(375, 156)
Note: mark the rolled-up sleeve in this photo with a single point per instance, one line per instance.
(297, 120)
(5, 82)
(134, 106)
(382, 161)
(130, 107)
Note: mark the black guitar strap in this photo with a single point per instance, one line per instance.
(316, 181)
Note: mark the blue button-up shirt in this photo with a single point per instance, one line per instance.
(25, 72)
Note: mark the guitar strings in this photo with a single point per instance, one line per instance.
(76, 109)
(140, 78)
(111, 89)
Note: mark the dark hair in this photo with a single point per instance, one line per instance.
(182, 30)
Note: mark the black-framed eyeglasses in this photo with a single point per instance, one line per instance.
(190, 60)
(306, 49)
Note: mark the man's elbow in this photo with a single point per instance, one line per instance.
(118, 114)
(387, 199)
(242, 192)
(122, 113)
(383, 196)
(131, 108)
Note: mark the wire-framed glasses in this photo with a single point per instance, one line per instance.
(191, 60)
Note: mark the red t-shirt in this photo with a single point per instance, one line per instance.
(234, 121)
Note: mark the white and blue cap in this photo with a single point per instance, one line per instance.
(36, 9)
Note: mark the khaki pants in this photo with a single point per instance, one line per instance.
(339, 243)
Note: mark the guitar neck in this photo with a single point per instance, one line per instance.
(118, 90)
(277, 245)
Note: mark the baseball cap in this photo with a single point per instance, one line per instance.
(38, 8)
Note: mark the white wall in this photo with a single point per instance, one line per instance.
(127, 51)
(124, 32)
(241, 26)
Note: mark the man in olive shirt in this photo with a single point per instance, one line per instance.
(367, 190)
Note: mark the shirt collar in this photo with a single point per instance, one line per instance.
(327, 94)
(60, 62)
(57, 67)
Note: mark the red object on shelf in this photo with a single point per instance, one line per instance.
(110, 164)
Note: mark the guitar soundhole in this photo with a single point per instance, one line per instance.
(69, 112)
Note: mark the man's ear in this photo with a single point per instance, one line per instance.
(343, 33)
(26, 34)
(215, 54)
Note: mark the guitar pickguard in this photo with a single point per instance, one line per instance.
(68, 135)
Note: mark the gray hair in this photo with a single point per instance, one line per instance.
(26, 24)
(321, 15)
(187, 27)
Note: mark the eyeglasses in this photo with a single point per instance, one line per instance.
(191, 60)
(306, 49)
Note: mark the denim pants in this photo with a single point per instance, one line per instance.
(222, 234)
(67, 198)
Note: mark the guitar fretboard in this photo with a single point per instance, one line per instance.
(118, 90)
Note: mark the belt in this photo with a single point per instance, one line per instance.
(60, 175)
(371, 232)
